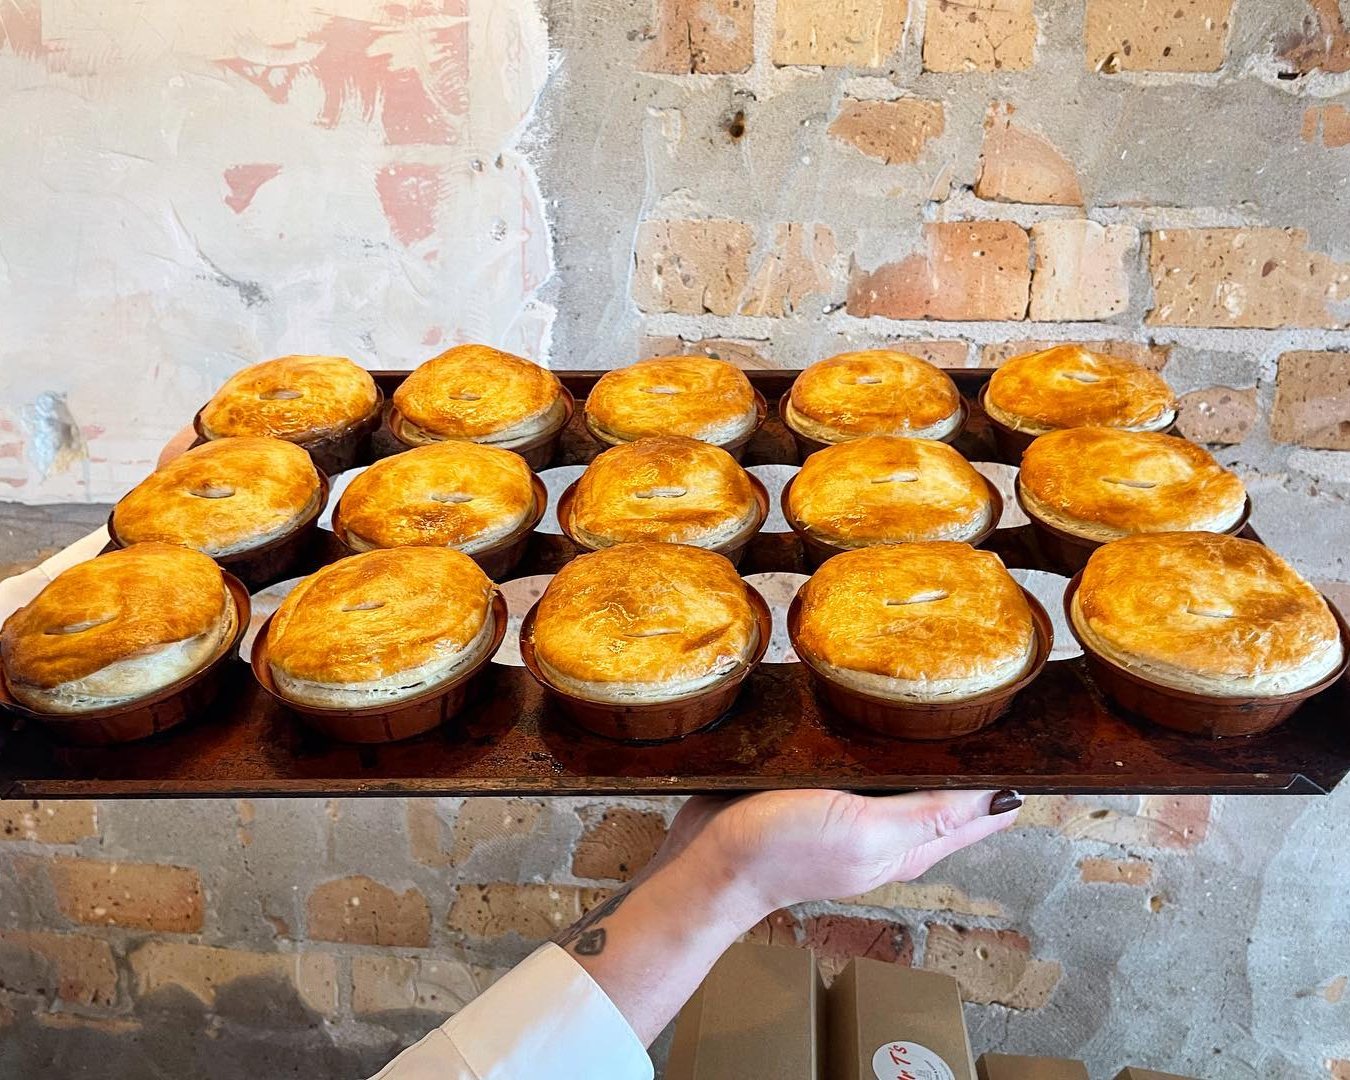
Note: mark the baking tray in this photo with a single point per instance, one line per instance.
(1060, 735)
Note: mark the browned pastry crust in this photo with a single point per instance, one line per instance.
(888, 489)
(1070, 386)
(643, 623)
(299, 398)
(667, 488)
(380, 626)
(697, 396)
(479, 394)
(1104, 483)
(936, 621)
(116, 628)
(222, 497)
(448, 494)
(875, 392)
(1205, 612)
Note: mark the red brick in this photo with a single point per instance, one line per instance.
(837, 938)
(145, 896)
(1018, 165)
(1312, 400)
(383, 983)
(1116, 871)
(992, 966)
(1332, 121)
(1127, 35)
(1179, 822)
(838, 33)
(619, 844)
(927, 897)
(891, 131)
(691, 267)
(47, 821)
(984, 35)
(77, 969)
(1339, 1069)
(359, 911)
(1218, 414)
(798, 267)
(704, 37)
(966, 270)
(1324, 44)
(1246, 277)
(1150, 354)
(1082, 269)
(534, 912)
(204, 972)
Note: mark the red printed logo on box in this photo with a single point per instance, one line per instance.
(909, 1061)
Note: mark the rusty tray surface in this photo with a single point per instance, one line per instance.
(1061, 735)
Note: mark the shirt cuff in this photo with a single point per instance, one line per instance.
(547, 1017)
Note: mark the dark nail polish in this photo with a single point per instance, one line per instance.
(1004, 802)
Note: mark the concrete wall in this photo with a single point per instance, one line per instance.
(768, 179)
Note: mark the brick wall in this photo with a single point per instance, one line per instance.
(775, 180)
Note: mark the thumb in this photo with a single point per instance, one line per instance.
(925, 827)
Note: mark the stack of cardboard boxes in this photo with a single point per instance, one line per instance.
(763, 1011)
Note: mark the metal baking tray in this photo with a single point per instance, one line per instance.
(1060, 736)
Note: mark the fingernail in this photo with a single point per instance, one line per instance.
(1004, 802)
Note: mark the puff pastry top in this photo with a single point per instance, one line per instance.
(1069, 386)
(1205, 612)
(118, 607)
(1104, 483)
(222, 497)
(668, 488)
(300, 398)
(917, 622)
(480, 394)
(644, 622)
(448, 494)
(371, 616)
(698, 396)
(876, 392)
(888, 489)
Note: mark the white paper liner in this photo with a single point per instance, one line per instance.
(520, 594)
(1003, 477)
(775, 479)
(1049, 589)
(557, 480)
(778, 589)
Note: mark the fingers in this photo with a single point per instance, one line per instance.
(920, 859)
(921, 828)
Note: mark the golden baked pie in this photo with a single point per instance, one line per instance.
(447, 494)
(697, 396)
(1205, 612)
(222, 497)
(298, 398)
(1105, 483)
(379, 627)
(117, 628)
(475, 393)
(1069, 386)
(643, 623)
(937, 621)
(886, 489)
(667, 488)
(876, 392)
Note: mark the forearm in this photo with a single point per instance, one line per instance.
(649, 947)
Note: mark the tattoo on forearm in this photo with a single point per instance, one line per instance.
(584, 937)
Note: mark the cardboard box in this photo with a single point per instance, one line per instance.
(888, 1022)
(1132, 1073)
(1019, 1067)
(760, 1012)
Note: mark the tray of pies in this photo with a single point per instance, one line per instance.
(483, 577)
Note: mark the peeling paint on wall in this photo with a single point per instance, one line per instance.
(189, 189)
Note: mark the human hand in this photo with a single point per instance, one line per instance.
(777, 848)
